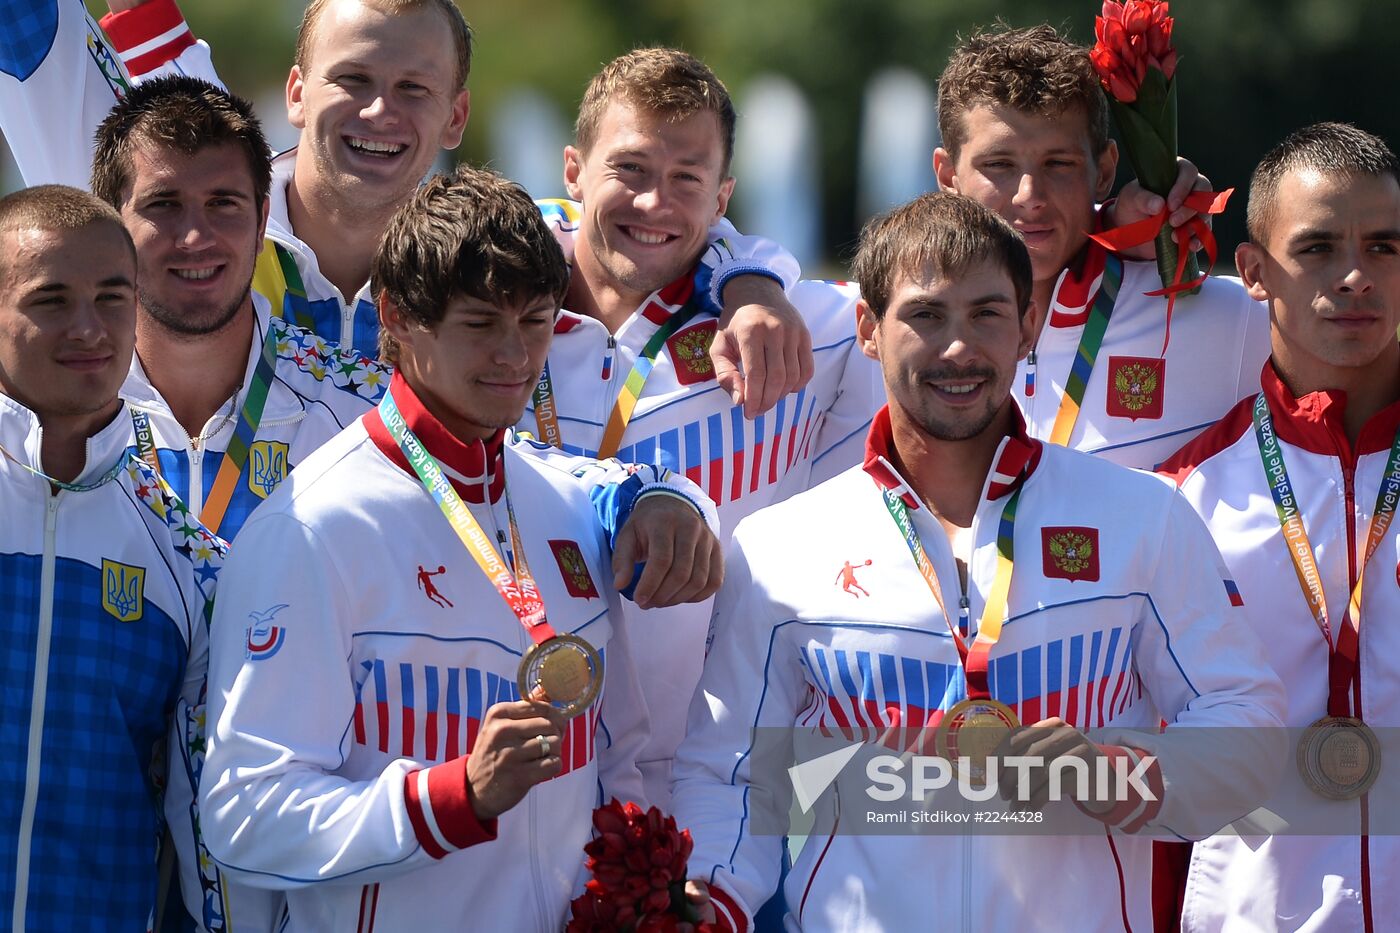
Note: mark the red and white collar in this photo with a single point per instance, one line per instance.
(474, 467)
(1077, 286)
(1015, 460)
(662, 304)
(1315, 421)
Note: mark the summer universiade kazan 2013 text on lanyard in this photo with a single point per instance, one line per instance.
(565, 667)
(1338, 755)
(988, 719)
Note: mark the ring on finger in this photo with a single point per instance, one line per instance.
(545, 746)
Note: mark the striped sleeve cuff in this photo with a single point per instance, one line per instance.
(729, 914)
(440, 809)
(149, 36)
(1135, 810)
(730, 269)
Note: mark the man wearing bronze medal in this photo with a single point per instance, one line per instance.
(1305, 477)
(384, 756)
(1010, 581)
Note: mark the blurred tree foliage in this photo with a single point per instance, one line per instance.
(1251, 70)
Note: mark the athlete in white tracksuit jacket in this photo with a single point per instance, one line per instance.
(686, 422)
(1141, 402)
(336, 767)
(1105, 610)
(1139, 634)
(1316, 448)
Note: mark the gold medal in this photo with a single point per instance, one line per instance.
(1339, 757)
(565, 671)
(970, 733)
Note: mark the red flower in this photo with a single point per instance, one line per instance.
(1131, 37)
(638, 862)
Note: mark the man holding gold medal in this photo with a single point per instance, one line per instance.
(384, 756)
(1306, 475)
(1101, 607)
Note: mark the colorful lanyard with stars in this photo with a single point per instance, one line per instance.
(976, 658)
(277, 277)
(1090, 343)
(1342, 650)
(241, 444)
(547, 413)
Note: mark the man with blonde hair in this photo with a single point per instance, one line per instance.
(630, 373)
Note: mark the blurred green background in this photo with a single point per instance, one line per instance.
(1250, 69)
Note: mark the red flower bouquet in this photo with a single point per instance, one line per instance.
(1136, 64)
(638, 862)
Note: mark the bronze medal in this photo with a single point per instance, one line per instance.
(565, 671)
(972, 730)
(1339, 757)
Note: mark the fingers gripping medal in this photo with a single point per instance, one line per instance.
(563, 670)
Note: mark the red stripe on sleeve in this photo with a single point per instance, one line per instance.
(728, 913)
(448, 806)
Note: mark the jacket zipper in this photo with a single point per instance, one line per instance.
(1349, 487)
(42, 643)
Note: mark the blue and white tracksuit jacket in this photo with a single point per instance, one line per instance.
(355, 804)
(317, 391)
(1130, 628)
(106, 593)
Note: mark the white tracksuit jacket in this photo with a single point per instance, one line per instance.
(686, 422)
(1304, 882)
(105, 599)
(1140, 407)
(345, 697)
(1137, 633)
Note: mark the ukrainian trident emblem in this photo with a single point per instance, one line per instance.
(122, 590)
(269, 460)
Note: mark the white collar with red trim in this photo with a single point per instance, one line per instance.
(1315, 421)
(1016, 459)
(474, 467)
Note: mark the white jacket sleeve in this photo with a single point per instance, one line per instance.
(860, 386)
(62, 74)
(749, 682)
(1205, 673)
(58, 80)
(281, 698)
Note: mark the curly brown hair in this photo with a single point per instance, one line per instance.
(668, 82)
(469, 232)
(1033, 70)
